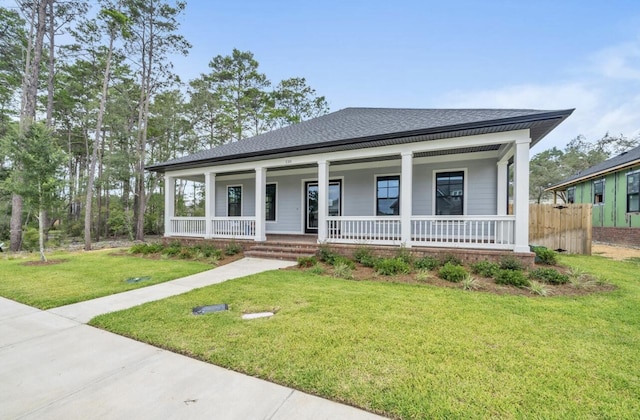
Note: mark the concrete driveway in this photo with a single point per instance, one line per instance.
(54, 367)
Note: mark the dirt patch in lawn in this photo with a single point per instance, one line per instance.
(618, 253)
(48, 262)
(482, 284)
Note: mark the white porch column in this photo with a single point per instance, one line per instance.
(169, 203)
(502, 188)
(261, 179)
(209, 202)
(521, 192)
(323, 199)
(406, 199)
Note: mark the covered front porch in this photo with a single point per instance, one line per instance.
(446, 193)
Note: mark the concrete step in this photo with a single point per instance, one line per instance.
(285, 248)
(288, 256)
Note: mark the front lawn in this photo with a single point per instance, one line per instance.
(79, 276)
(417, 351)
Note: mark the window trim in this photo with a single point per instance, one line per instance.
(465, 186)
(593, 192)
(275, 203)
(375, 193)
(632, 173)
(241, 198)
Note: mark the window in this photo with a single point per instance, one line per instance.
(633, 192)
(270, 203)
(388, 195)
(450, 193)
(598, 191)
(234, 201)
(571, 195)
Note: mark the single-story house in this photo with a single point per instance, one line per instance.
(376, 176)
(613, 187)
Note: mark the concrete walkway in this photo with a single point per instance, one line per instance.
(52, 366)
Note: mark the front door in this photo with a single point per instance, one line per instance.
(311, 203)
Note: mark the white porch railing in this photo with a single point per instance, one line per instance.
(381, 230)
(188, 226)
(233, 227)
(495, 232)
(491, 232)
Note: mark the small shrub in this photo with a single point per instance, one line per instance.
(339, 259)
(31, 239)
(232, 248)
(326, 254)
(450, 259)
(545, 255)
(172, 249)
(511, 263)
(214, 260)
(485, 268)
(392, 266)
(316, 269)
(342, 270)
(208, 250)
(405, 255)
(549, 275)
(138, 249)
(186, 253)
(423, 275)
(512, 278)
(538, 288)
(452, 272)
(364, 255)
(469, 282)
(427, 263)
(307, 262)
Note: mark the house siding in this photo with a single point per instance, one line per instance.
(611, 222)
(359, 191)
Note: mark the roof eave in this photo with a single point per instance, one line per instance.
(557, 115)
(565, 184)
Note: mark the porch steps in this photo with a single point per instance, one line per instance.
(282, 250)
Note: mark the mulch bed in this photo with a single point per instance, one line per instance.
(48, 262)
(486, 285)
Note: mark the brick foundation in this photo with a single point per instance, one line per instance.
(468, 256)
(218, 243)
(623, 236)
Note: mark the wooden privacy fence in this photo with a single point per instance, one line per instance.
(564, 227)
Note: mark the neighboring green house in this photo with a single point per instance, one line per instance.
(613, 187)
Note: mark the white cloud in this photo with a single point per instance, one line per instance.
(605, 96)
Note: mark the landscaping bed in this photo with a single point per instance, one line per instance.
(508, 276)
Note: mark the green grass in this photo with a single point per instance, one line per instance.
(415, 351)
(84, 276)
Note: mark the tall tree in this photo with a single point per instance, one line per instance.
(36, 11)
(296, 101)
(116, 24)
(238, 84)
(154, 28)
(36, 176)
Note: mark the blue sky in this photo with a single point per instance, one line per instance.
(542, 54)
(433, 54)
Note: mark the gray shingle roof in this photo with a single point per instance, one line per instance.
(622, 159)
(372, 125)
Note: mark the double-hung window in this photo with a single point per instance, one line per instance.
(450, 193)
(633, 192)
(598, 191)
(571, 195)
(388, 195)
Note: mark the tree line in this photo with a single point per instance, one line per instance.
(553, 165)
(80, 119)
